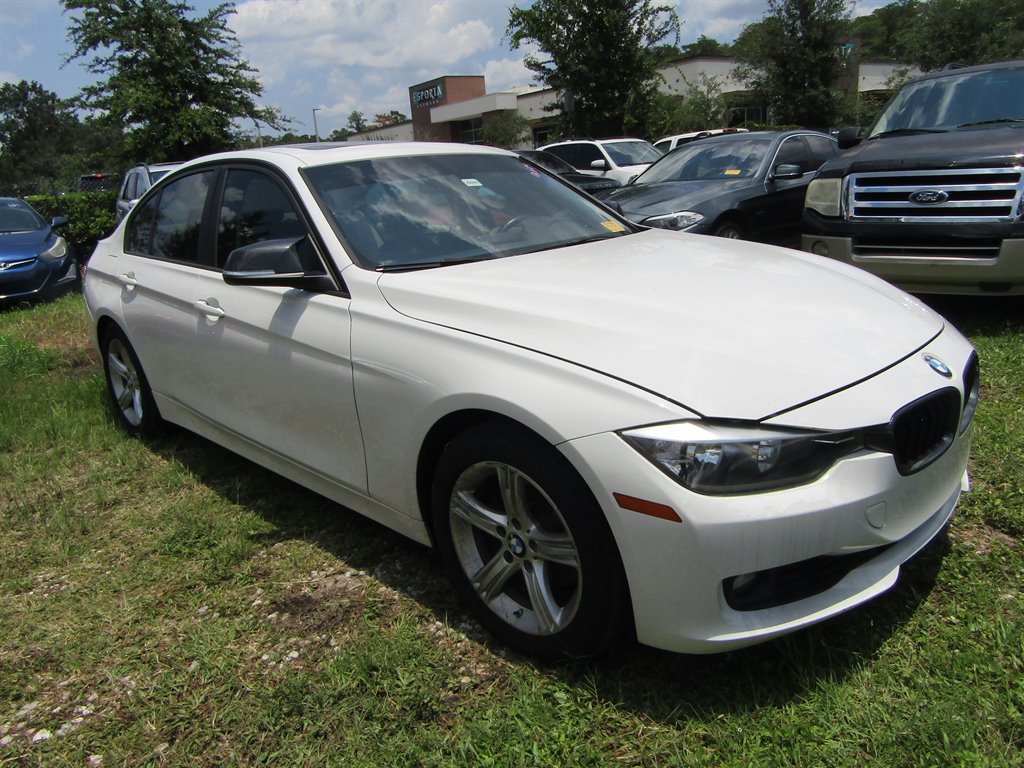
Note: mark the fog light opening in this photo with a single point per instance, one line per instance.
(743, 583)
(819, 248)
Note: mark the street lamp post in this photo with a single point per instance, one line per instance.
(316, 131)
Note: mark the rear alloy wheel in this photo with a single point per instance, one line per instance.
(526, 545)
(127, 385)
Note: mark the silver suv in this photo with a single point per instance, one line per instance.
(137, 181)
(619, 159)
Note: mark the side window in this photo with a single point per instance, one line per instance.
(167, 225)
(792, 152)
(821, 149)
(255, 207)
(586, 154)
(129, 187)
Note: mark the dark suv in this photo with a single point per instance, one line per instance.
(931, 197)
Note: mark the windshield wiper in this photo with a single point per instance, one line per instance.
(907, 132)
(416, 265)
(993, 122)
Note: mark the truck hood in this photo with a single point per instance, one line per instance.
(986, 147)
(724, 328)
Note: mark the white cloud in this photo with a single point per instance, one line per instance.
(502, 74)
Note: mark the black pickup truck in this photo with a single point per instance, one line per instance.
(932, 197)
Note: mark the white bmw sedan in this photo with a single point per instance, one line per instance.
(605, 431)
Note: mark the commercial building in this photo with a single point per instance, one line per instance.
(456, 107)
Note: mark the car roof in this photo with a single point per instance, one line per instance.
(953, 69)
(327, 153)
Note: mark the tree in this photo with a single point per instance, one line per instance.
(964, 32)
(173, 81)
(356, 122)
(600, 56)
(793, 60)
(36, 127)
(383, 120)
(705, 46)
(701, 106)
(507, 129)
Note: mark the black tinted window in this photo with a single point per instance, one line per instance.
(255, 208)
(167, 226)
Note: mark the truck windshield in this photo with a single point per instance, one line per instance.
(955, 100)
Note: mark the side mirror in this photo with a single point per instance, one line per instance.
(785, 172)
(58, 221)
(276, 263)
(848, 137)
(599, 165)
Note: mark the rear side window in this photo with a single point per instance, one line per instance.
(167, 225)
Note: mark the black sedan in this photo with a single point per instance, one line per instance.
(596, 186)
(748, 186)
(34, 260)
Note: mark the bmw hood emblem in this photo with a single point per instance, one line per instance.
(938, 366)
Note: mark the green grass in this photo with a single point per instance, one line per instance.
(164, 602)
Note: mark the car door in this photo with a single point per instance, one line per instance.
(783, 204)
(274, 364)
(157, 271)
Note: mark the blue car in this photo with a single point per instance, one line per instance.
(34, 260)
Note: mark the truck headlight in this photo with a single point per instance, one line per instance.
(823, 196)
(712, 458)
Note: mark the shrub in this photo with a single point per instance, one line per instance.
(91, 216)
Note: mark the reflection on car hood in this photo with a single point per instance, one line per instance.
(22, 245)
(639, 201)
(726, 329)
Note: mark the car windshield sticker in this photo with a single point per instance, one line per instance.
(472, 183)
(613, 226)
(733, 172)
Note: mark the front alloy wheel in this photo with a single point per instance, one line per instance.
(515, 548)
(526, 544)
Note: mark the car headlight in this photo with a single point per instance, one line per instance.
(55, 252)
(823, 196)
(678, 220)
(713, 458)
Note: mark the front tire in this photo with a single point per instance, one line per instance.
(130, 394)
(731, 230)
(526, 545)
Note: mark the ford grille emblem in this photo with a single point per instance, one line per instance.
(928, 197)
(938, 366)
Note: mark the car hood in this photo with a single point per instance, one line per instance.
(966, 148)
(15, 246)
(639, 201)
(724, 328)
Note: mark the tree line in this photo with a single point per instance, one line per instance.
(171, 84)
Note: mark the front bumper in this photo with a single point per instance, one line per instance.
(36, 278)
(862, 515)
(935, 258)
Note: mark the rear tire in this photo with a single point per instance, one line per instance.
(130, 394)
(526, 545)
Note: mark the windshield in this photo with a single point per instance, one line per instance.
(430, 210)
(15, 218)
(955, 101)
(631, 152)
(547, 161)
(709, 159)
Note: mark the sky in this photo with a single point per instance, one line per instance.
(345, 55)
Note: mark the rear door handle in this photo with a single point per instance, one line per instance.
(208, 309)
(128, 280)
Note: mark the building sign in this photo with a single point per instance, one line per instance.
(429, 95)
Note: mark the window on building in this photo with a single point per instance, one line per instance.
(471, 131)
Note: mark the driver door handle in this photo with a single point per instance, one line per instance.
(208, 309)
(127, 279)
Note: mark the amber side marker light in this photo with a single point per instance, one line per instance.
(644, 507)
